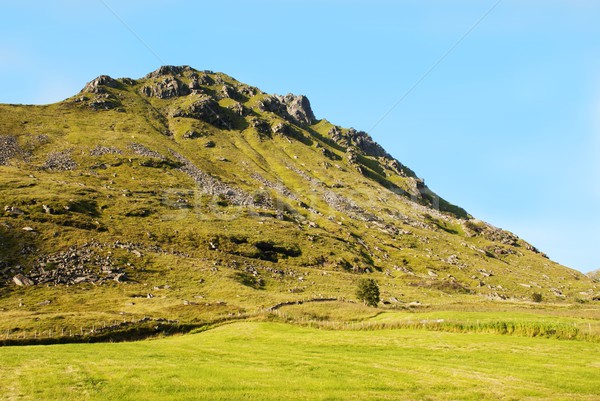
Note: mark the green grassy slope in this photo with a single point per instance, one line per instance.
(217, 200)
(270, 361)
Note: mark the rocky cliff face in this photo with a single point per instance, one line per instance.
(297, 108)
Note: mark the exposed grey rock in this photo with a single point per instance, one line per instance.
(120, 277)
(400, 168)
(144, 151)
(101, 99)
(353, 160)
(81, 264)
(128, 81)
(359, 139)
(9, 148)
(78, 264)
(485, 273)
(22, 281)
(193, 134)
(495, 234)
(95, 86)
(168, 88)
(533, 249)
(336, 134)
(38, 140)
(344, 205)
(499, 250)
(261, 126)
(207, 110)
(292, 108)
(104, 102)
(298, 107)
(200, 79)
(351, 155)
(60, 161)
(272, 104)
(194, 85)
(167, 70)
(277, 186)
(100, 150)
(239, 109)
(248, 91)
(227, 92)
(280, 128)
(14, 211)
(212, 186)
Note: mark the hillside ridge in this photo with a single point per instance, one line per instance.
(186, 194)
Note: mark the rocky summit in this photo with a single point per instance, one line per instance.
(190, 196)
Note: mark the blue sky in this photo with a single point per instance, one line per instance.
(497, 104)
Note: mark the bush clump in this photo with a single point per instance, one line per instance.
(368, 291)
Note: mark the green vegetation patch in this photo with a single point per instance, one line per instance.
(269, 361)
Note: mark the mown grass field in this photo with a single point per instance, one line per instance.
(274, 361)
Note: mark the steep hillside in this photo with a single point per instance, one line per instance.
(190, 196)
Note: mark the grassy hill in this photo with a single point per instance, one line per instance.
(187, 197)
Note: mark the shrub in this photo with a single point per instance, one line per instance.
(249, 280)
(368, 291)
(536, 297)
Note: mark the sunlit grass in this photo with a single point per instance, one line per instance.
(270, 361)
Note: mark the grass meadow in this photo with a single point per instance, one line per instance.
(277, 361)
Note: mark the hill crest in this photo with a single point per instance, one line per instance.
(188, 185)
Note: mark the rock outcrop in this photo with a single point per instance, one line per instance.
(95, 86)
(206, 109)
(78, 264)
(102, 98)
(168, 88)
(261, 126)
(166, 70)
(60, 161)
(100, 150)
(298, 108)
(358, 139)
(9, 148)
(209, 185)
(293, 108)
(22, 281)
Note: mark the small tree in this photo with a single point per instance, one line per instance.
(368, 291)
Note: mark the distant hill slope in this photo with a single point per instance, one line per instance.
(186, 194)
